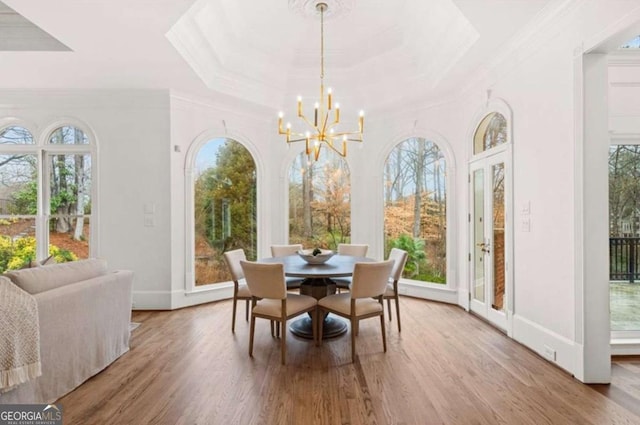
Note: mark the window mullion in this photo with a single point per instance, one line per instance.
(42, 220)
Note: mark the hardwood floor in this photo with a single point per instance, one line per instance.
(446, 367)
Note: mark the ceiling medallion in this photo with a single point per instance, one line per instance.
(334, 9)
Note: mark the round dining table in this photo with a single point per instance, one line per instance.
(318, 284)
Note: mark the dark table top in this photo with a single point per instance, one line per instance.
(336, 266)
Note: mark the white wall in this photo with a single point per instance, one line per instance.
(132, 130)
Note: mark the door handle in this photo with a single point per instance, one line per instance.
(484, 247)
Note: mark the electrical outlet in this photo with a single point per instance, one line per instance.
(549, 353)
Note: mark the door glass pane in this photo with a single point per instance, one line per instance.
(624, 237)
(498, 237)
(478, 235)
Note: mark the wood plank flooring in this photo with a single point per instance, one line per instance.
(446, 367)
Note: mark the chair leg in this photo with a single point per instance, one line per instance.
(319, 325)
(384, 333)
(272, 329)
(278, 326)
(314, 319)
(389, 307)
(283, 343)
(251, 331)
(246, 311)
(354, 326)
(398, 311)
(233, 317)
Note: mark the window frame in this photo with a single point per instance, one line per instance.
(451, 220)
(42, 149)
(194, 148)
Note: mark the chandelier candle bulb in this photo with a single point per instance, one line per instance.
(315, 114)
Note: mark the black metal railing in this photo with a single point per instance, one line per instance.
(624, 259)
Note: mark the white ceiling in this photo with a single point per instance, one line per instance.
(379, 53)
(19, 34)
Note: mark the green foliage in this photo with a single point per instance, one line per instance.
(418, 266)
(15, 254)
(25, 200)
(415, 251)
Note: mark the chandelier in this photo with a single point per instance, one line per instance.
(326, 116)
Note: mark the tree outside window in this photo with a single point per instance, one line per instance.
(224, 207)
(319, 201)
(415, 208)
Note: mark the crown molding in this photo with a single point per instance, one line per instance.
(528, 40)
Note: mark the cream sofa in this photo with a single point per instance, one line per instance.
(84, 312)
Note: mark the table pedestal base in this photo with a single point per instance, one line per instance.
(331, 326)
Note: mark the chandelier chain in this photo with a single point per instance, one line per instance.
(322, 44)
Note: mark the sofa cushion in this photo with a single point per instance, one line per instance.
(40, 279)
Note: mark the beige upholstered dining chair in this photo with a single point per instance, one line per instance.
(357, 250)
(363, 301)
(282, 251)
(240, 289)
(270, 300)
(391, 293)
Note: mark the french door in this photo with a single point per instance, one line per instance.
(490, 234)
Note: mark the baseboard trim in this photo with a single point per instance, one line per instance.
(428, 292)
(151, 300)
(555, 348)
(211, 293)
(625, 347)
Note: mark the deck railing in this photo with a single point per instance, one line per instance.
(624, 259)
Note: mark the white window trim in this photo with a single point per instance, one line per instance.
(41, 148)
(450, 184)
(189, 173)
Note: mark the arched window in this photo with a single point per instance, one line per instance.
(319, 201)
(415, 201)
(63, 179)
(491, 132)
(224, 207)
(15, 135)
